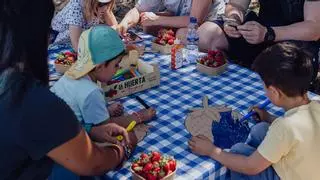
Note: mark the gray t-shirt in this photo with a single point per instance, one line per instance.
(180, 7)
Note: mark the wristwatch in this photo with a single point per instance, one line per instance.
(270, 35)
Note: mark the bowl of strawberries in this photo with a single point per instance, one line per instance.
(164, 41)
(64, 61)
(212, 64)
(153, 166)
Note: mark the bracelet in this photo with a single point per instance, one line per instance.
(138, 116)
(87, 127)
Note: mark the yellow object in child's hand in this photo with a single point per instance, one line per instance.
(129, 128)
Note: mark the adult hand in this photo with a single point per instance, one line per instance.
(201, 145)
(148, 18)
(252, 32)
(122, 29)
(108, 132)
(230, 26)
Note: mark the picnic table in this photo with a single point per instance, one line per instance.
(180, 90)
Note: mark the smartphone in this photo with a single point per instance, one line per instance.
(133, 37)
(231, 22)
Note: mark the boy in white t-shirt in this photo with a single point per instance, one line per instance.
(287, 149)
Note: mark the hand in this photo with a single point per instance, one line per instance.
(148, 18)
(263, 115)
(201, 145)
(253, 32)
(115, 109)
(122, 29)
(108, 132)
(230, 27)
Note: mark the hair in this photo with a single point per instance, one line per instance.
(24, 31)
(287, 67)
(91, 8)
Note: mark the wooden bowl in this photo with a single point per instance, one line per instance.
(61, 68)
(211, 71)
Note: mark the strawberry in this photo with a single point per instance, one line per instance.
(162, 174)
(166, 168)
(157, 170)
(170, 32)
(151, 176)
(155, 164)
(68, 53)
(148, 167)
(171, 42)
(137, 169)
(172, 165)
(156, 156)
(143, 156)
(169, 172)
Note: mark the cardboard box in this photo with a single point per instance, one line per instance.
(163, 49)
(150, 77)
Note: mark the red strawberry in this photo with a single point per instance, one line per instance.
(68, 53)
(172, 165)
(171, 41)
(157, 170)
(143, 156)
(166, 167)
(169, 172)
(151, 176)
(162, 174)
(137, 169)
(148, 167)
(170, 32)
(156, 156)
(155, 164)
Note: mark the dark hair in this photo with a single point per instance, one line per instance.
(285, 66)
(24, 31)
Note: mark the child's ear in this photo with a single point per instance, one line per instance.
(99, 67)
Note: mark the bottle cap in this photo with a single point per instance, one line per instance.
(193, 19)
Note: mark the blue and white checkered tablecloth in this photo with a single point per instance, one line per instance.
(179, 91)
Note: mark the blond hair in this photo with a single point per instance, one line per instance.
(91, 9)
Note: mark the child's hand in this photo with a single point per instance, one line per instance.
(108, 133)
(201, 145)
(122, 29)
(263, 115)
(145, 115)
(115, 109)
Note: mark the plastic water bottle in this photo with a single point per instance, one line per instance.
(192, 42)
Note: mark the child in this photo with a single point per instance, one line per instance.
(79, 15)
(100, 52)
(287, 149)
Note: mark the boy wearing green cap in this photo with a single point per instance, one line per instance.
(99, 54)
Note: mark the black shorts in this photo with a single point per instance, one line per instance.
(243, 53)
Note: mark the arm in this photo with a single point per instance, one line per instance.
(75, 32)
(109, 17)
(131, 18)
(250, 165)
(200, 9)
(237, 9)
(83, 157)
(307, 30)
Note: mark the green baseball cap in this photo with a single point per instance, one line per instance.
(97, 45)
